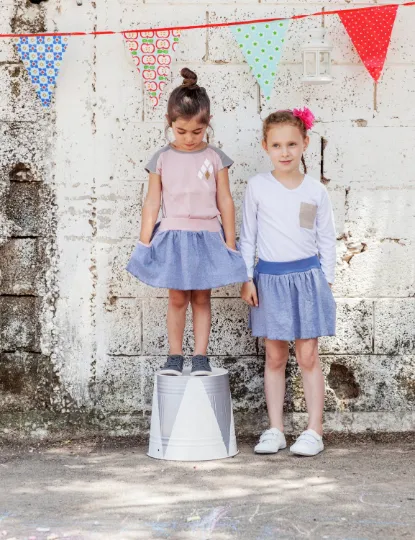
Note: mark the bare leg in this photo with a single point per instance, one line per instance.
(176, 319)
(276, 357)
(306, 351)
(200, 301)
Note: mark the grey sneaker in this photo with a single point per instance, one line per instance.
(200, 366)
(173, 366)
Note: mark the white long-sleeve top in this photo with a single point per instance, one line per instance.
(288, 224)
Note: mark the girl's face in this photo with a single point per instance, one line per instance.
(285, 145)
(188, 133)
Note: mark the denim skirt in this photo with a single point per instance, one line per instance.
(294, 301)
(184, 259)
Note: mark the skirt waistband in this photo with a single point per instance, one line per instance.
(190, 224)
(279, 268)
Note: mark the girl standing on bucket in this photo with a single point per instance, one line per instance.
(288, 216)
(189, 251)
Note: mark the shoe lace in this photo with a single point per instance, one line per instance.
(200, 362)
(175, 362)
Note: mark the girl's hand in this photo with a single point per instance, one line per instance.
(231, 246)
(249, 294)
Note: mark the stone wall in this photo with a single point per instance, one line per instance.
(80, 339)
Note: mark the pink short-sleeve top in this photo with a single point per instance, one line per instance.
(189, 180)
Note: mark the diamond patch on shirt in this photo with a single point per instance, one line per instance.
(206, 170)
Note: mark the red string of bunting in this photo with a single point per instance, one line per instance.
(210, 25)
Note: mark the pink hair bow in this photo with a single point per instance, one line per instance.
(306, 116)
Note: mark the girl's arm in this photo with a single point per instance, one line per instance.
(226, 207)
(151, 208)
(248, 244)
(326, 237)
(249, 229)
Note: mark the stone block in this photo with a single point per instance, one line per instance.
(119, 326)
(21, 267)
(246, 378)
(27, 382)
(75, 348)
(118, 386)
(7, 50)
(134, 143)
(352, 86)
(396, 90)
(394, 326)
(76, 266)
(244, 147)
(376, 269)
(357, 383)
(118, 82)
(75, 149)
(32, 197)
(150, 365)
(338, 201)
(22, 150)
(402, 47)
(18, 381)
(381, 214)
(119, 208)
(348, 162)
(229, 335)
(19, 323)
(369, 383)
(76, 211)
(19, 99)
(354, 333)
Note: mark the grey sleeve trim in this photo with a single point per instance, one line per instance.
(226, 160)
(151, 166)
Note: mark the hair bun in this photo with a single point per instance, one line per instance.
(189, 78)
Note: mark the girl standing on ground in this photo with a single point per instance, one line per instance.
(288, 216)
(189, 251)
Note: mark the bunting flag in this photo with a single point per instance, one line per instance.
(262, 45)
(42, 57)
(370, 31)
(152, 55)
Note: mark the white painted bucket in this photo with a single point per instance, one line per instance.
(192, 417)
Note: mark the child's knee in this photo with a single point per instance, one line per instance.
(276, 360)
(179, 299)
(308, 361)
(200, 298)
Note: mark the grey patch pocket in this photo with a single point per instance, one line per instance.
(308, 214)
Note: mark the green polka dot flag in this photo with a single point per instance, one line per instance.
(262, 45)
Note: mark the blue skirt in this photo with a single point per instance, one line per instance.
(187, 261)
(294, 301)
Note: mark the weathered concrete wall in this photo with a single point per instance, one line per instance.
(81, 339)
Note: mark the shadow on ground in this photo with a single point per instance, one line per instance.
(78, 491)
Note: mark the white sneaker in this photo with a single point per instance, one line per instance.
(309, 443)
(270, 442)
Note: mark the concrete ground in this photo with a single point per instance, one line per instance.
(89, 491)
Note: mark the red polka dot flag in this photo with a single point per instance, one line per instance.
(370, 31)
